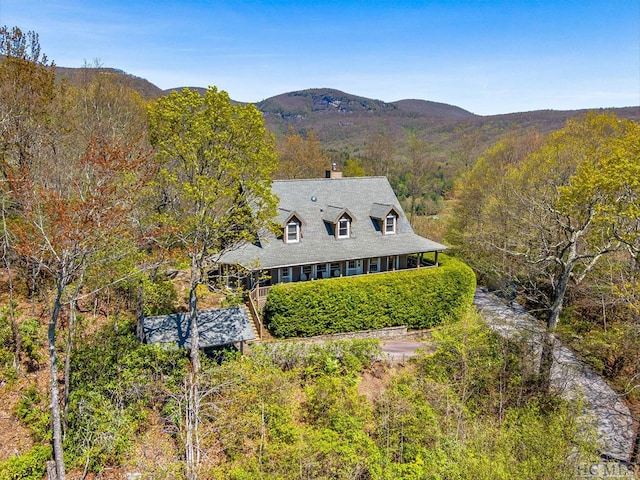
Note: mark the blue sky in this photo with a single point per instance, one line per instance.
(485, 56)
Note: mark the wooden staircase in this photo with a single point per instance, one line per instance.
(255, 324)
(255, 302)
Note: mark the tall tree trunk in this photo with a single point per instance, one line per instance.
(192, 417)
(67, 364)
(58, 453)
(192, 413)
(15, 331)
(559, 293)
(140, 313)
(546, 363)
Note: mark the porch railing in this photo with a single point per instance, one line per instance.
(257, 301)
(259, 296)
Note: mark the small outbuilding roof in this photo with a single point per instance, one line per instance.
(216, 327)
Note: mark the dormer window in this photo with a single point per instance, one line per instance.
(344, 225)
(390, 224)
(292, 225)
(292, 232)
(338, 221)
(385, 218)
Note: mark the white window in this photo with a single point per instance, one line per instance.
(354, 267)
(285, 274)
(322, 271)
(374, 265)
(343, 228)
(293, 232)
(390, 224)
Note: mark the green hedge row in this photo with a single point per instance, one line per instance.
(419, 298)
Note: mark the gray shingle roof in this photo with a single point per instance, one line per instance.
(316, 201)
(216, 327)
(284, 216)
(380, 210)
(331, 214)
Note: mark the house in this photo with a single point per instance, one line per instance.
(330, 227)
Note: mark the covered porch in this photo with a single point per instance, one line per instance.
(261, 281)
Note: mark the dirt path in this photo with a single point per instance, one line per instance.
(569, 376)
(400, 350)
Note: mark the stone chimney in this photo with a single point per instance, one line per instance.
(334, 172)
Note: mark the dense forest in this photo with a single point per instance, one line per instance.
(115, 204)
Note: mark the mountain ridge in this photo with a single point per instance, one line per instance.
(345, 122)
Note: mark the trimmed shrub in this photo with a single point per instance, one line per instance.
(418, 298)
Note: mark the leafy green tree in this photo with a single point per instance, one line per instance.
(617, 176)
(353, 168)
(466, 411)
(214, 191)
(540, 220)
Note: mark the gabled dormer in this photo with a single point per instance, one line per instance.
(385, 218)
(292, 225)
(338, 221)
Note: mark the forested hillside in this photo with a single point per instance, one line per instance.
(372, 137)
(555, 222)
(115, 204)
(421, 146)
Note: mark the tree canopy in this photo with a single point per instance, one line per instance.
(213, 191)
(301, 156)
(543, 215)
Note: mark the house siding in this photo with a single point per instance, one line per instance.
(315, 270)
